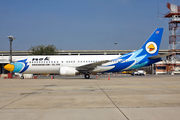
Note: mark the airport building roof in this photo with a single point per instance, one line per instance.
(76, 52)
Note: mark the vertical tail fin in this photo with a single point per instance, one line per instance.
(152, 45)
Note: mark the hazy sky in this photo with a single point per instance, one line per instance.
(81, 24)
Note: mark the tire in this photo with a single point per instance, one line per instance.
(22, 77)
(86, 76)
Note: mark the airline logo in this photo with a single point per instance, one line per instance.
(151, 47)
(157, 32)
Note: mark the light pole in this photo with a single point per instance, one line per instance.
(115, 48)
(3, 63)
(11, 38)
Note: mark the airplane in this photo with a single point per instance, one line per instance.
(88, 64)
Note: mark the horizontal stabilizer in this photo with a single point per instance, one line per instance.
(160, 56)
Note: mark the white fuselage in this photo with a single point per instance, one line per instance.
(51, 64)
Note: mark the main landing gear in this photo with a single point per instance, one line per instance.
(86, 76)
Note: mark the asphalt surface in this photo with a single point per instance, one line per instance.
(76, 98)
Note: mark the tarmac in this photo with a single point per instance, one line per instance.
(76, 98)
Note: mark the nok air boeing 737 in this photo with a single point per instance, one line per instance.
(88, 64)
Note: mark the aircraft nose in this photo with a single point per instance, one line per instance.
(9, 67)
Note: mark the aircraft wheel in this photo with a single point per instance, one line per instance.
(87, 76)
(22, 77)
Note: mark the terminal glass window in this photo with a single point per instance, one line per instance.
(161, 68)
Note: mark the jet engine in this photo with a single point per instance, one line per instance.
(67, 71)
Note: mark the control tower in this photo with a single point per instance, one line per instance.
(174, 33)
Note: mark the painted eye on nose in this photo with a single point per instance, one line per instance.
(18, 67)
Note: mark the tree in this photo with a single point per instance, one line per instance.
(43, 50)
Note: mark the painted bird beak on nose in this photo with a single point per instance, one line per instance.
(9, 67)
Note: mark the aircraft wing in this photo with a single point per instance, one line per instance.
(160, 56)
(91, 66)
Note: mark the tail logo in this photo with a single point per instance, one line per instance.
(151, 47)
